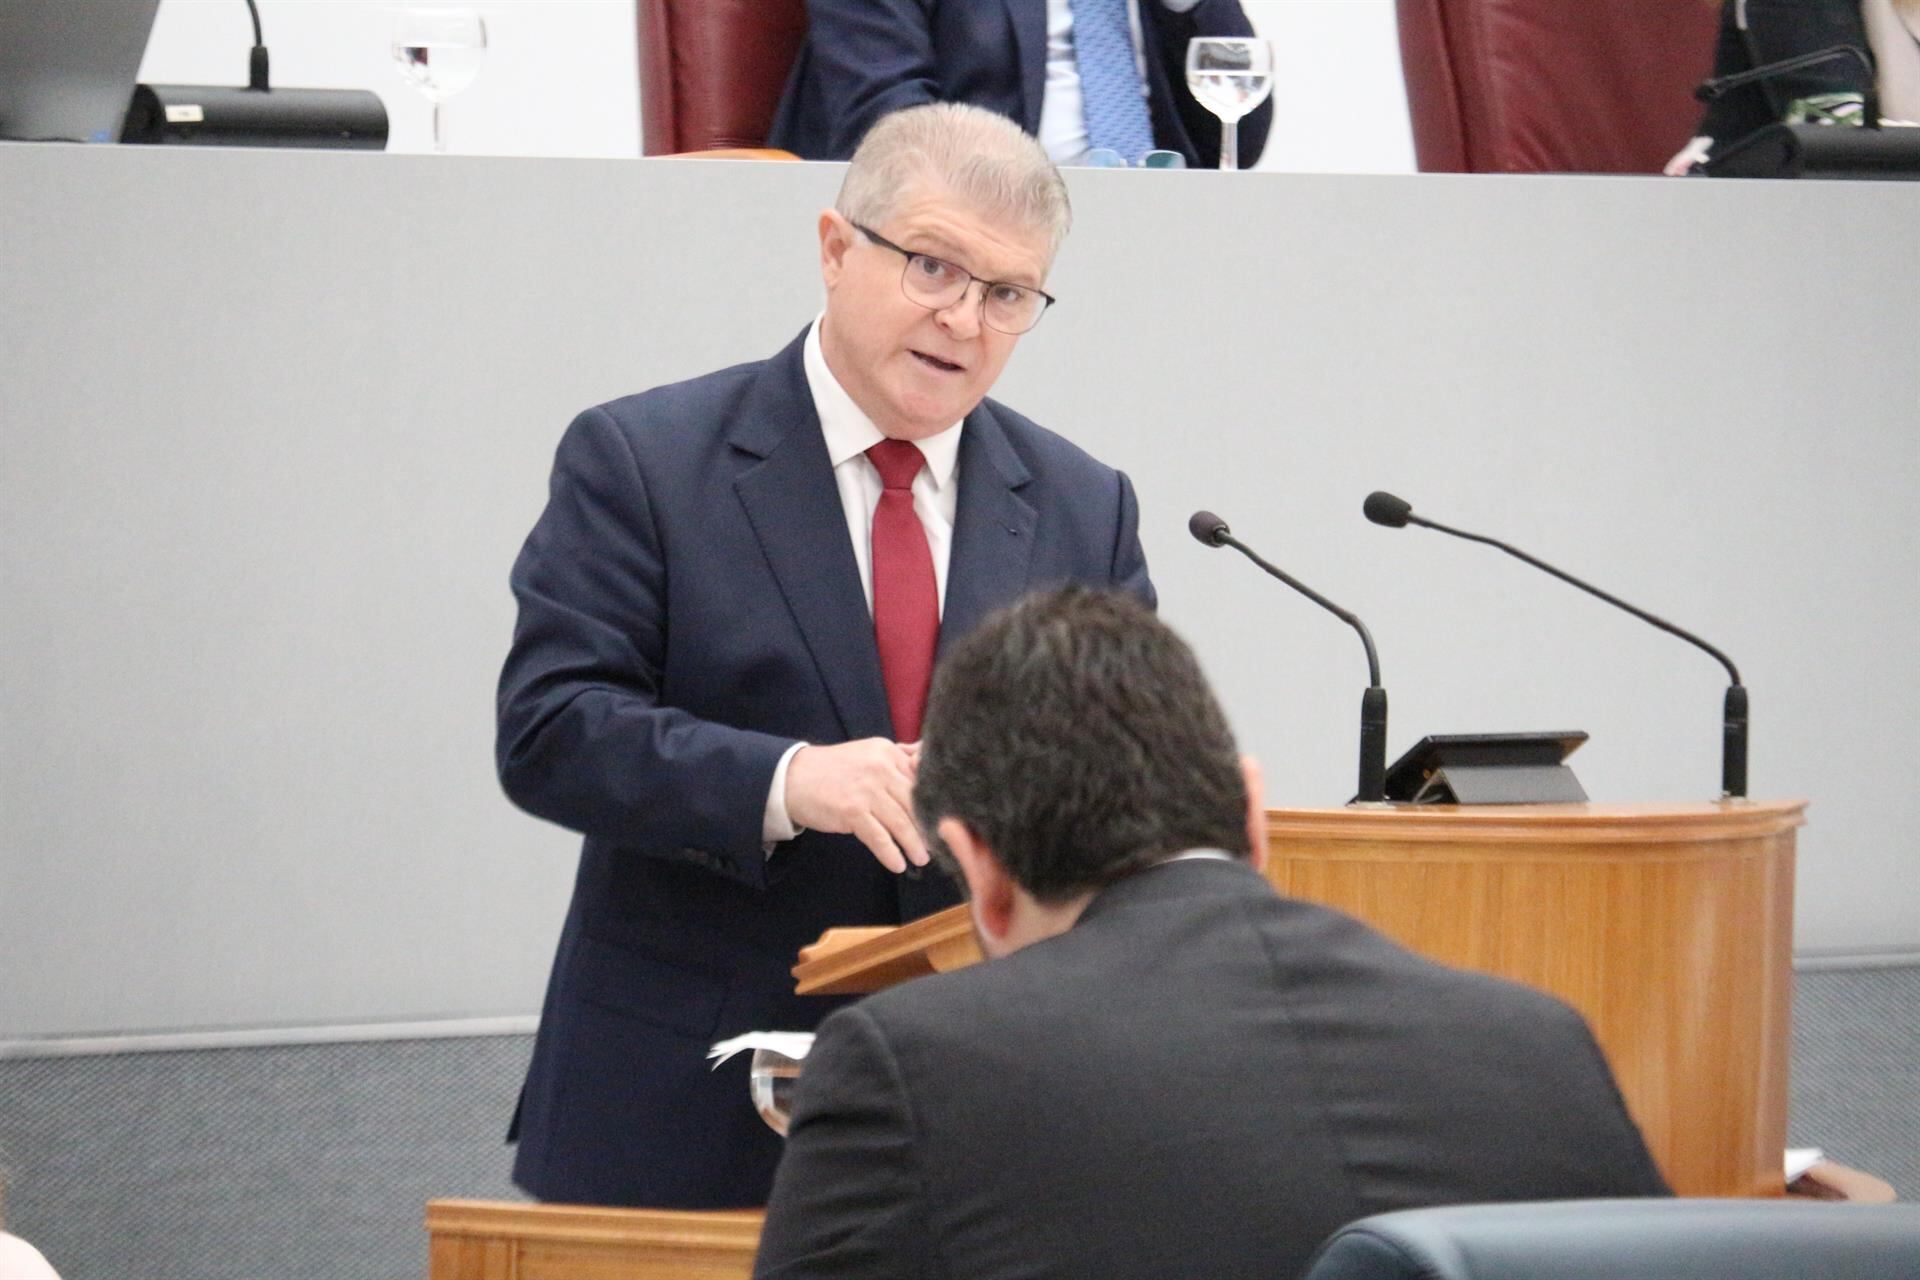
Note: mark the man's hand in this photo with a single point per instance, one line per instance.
(862, 789)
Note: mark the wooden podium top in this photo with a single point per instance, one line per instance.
(854, 961)
(1544, 824)
(575, 1223)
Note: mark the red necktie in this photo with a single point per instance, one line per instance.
(906, 600)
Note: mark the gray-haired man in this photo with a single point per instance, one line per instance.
(729, 612)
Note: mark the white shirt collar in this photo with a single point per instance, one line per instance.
(1199, 855)
(850, 432)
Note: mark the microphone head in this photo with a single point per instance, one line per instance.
(1207, 528)
(1382, 507)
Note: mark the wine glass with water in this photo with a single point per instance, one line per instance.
(1229, 76)
(771, 1080)
(439, 52)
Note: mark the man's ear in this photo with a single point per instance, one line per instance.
(1256, 813)
(836, 237)
(989, 887)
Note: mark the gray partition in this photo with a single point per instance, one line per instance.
(275, 423)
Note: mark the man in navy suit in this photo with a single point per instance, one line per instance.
(1022, 58)
(729, 612)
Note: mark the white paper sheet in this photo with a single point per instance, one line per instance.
(792, 1043)
(1801, 1159)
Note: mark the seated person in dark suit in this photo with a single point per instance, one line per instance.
(1164, 1068)
(1072, 72)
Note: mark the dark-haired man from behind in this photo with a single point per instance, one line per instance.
(1165, 1068)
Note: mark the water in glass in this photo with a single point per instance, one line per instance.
(1230, 94)
(439, 52)
(771, 1079)
(1229, 76)
(438, 70)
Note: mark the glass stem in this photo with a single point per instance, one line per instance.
(1229, 144)
(439, 128)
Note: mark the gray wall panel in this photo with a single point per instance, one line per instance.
(1856, 1077)
(313, 1162)
(274, 425)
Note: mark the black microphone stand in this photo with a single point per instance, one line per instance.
(1719, 86)
(1733, 729)
(1213, 532)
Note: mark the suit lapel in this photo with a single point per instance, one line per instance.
(993, 528)
(1029, 20)
(794, 507)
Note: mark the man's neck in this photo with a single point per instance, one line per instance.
(836, 362)
(1035, 921)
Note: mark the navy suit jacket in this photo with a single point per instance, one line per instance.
(690, 607)
(865, 58)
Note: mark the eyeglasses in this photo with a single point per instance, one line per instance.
(937, 284)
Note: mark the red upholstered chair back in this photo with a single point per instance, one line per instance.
(1554, 86)
(711, 71)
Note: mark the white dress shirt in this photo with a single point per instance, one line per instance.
(1198, 855)
(1063, 117)
(936, 494)
(21, 1261)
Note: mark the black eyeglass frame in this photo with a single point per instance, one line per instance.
(1047, 299)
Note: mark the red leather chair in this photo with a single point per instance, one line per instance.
(711, 71)
(1554, 86)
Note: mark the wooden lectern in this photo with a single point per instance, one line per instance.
(1669, 926)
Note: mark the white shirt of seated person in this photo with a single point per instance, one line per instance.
(21, 1261)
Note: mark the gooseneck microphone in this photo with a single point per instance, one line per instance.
(1396, 513)
(1719, 86)
(257, 56)
(1211, 531)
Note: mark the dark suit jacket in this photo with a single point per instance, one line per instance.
(1201, 1078)
(689, 607)
(864, 58)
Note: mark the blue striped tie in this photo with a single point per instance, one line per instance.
(1109, 78)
